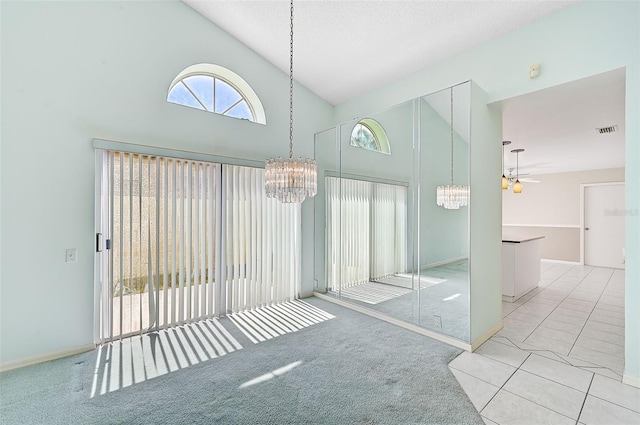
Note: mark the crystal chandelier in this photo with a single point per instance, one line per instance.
(452, 196)
(289, 180)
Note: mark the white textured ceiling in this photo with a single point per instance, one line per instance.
(557, 126)
(346, 48)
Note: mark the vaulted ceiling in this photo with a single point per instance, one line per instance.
(346, 48)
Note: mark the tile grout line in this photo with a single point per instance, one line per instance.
(561, 360)
(590, 313)
(558, 305)
(534, 351)
(588, 318)
(506, 341)
(585, 323)
(501, 387)
(556, 382)
(565, 297)
(619, 376)
(585, 398)
(615, 404)
(545, 407)
(530, 352)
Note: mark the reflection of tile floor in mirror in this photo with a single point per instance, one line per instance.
(559, 358)
(443, 303)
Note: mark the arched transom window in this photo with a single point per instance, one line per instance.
(216, 89)
(369, 134)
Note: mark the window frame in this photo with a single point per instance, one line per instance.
(378, 132)
(236, 82)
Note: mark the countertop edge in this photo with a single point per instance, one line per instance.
(520, 240)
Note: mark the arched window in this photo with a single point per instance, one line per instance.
(369, 134)
(216, 89)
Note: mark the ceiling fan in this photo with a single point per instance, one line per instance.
(511, 178)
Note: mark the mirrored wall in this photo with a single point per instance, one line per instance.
(383, 241)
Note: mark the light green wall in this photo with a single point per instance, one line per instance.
(580, 41)
(72, 71)
(485, 222)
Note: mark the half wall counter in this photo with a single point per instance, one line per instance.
(520, 265)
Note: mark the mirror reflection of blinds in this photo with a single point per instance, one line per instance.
(366, 231)
(171, 222)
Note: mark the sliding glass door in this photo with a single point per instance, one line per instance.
(183, 240)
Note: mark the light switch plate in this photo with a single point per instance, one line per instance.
(72, 255)
(534, 70)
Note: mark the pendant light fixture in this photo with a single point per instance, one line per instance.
(289, 180)
(451, 196)
(517, 186)
(505, 180)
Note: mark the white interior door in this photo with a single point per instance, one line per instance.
(604, 214)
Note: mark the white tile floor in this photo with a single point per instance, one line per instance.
(560, 356)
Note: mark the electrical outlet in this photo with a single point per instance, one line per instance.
(72, 255)
(437, 321)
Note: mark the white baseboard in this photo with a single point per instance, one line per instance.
(514, 298)
(561, 226)
(573, 263)
(634, 381)
(442, 263)
(401, 323)
(485, 336)
(45, 357)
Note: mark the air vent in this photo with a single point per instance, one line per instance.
(606, 130)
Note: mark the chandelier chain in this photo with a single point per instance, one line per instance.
(291, 86)
(288, 180)
(451, 104)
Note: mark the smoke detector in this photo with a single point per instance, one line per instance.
(607, 130)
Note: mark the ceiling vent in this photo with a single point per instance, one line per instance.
(606, 130)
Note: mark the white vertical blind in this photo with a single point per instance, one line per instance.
(163, 213)
(333, 242)
(172, 221)
(356, 204)
(366, 231)
(388, 230)
(262, 244)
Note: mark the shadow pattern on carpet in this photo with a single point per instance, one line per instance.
(353, 369)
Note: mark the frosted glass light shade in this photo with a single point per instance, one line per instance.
(505, 183)
(452, 197)
(291, 181)
(517, 187)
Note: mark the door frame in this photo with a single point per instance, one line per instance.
(583, 186)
